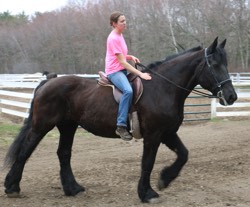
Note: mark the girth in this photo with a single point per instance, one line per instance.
(134, 80)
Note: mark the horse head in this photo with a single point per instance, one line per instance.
(214, 75)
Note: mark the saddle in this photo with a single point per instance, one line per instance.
(134, 80)
(137, 87)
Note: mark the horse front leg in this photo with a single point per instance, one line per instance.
(145, 191)
(67, 132)
(168, 174)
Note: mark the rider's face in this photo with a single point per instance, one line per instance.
(121, 23)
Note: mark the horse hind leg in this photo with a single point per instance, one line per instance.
(19, 152)
(169, 173)
(67, 132)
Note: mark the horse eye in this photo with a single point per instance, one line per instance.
(216, 65)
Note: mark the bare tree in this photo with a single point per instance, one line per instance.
(73, 39)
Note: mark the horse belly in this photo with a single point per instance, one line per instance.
(99, 117)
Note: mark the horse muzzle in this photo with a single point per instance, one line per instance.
(227, 98)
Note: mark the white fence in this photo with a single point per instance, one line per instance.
(240, 78)
(22, 81)
(240, 108)
(212, 109)
(29, 80)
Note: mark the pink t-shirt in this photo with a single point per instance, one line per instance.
(115, 45)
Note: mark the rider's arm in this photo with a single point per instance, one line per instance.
(122, 60)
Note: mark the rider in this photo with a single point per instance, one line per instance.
(116, 68)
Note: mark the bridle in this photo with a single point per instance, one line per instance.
(219, 85)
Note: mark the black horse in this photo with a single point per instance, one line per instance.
(69, 101)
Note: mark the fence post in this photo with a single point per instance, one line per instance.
(213, 108)
(238, 78)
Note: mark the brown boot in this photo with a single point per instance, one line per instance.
(123, 133)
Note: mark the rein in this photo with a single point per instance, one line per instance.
(178, 86)
(218, 85)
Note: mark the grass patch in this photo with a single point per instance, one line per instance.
(8, 133)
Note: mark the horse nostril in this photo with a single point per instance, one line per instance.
(232, 99)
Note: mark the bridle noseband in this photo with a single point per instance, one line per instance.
(219, 85)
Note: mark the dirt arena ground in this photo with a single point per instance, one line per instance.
(216, 175)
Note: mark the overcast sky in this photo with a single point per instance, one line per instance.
(30, 6)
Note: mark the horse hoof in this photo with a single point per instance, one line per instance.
(161, 184)
(13, 195)
(75, 191)
(155, 201)
(151, 197)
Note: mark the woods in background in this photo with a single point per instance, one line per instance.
(73, 39)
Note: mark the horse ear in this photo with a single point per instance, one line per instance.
(213, 46)
(223, 43)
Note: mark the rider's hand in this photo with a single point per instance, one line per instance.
(145, 76)
(135, 59)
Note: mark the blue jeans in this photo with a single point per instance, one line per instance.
(119, 79)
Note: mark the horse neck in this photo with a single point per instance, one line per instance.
(183, 71)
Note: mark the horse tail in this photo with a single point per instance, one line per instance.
(16, 146)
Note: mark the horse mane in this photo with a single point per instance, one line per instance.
(171, 57)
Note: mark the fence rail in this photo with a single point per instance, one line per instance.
(198, 110)
(240, 77)
(240, 108)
